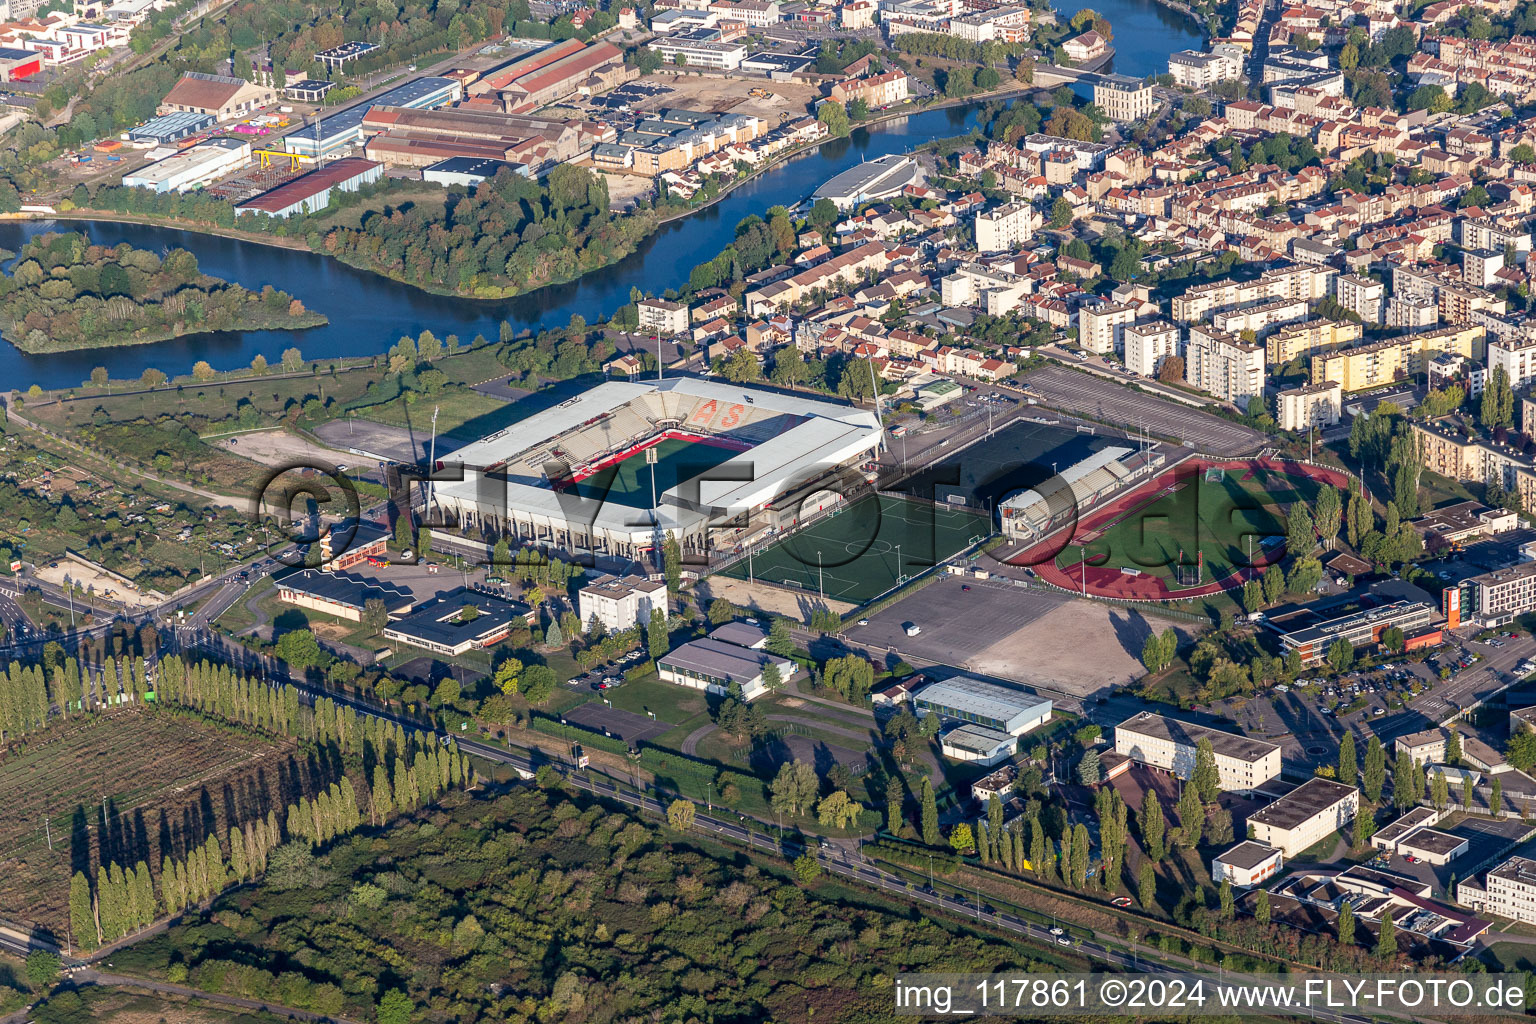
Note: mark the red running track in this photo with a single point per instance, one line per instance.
(1111, 582)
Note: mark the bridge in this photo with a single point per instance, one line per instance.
(1052, 75)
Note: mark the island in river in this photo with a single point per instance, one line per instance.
(65, 293)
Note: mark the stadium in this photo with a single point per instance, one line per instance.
(1192, 530)
(618, 467)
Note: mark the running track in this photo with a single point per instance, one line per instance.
(1106, 581)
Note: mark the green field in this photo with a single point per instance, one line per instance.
(852, 555)
(629, 482)
(1224, 519)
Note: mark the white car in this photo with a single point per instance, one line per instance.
(863, 622)
(913, 629)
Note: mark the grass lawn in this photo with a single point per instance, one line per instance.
(866, 548)
(677, 705)
(1510, 956)
(461, 413)
(1228, 521)
(1436, 490)
(239, 615)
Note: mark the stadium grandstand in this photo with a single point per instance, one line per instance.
(617, 468)
(1030, 514)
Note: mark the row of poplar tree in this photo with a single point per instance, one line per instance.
(29, 693)
(408, 772)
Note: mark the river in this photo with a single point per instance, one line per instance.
(369, 313)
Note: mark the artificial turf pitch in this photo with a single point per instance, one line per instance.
(1224, 520)
(851, 555)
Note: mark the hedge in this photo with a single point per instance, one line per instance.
(580, 734)
(915, 856)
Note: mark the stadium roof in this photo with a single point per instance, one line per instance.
(827, 436)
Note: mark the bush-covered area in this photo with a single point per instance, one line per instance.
(539, 906)
(66, 293)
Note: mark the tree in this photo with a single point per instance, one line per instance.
(1191, 817)
(1147, 887)
(961, 838)
(655, 634)
(1061, 213)
(1496, 800)
(1453, 747)
(721, 611)
(1341, 654)
(895, 824)
(1153, 826)
(1346, 924)
(835, 116)
(1375, 775)
(779, 640)
(1521, 749)
(807, 868)
(794, 789)
(202, 371)
(1261, 907)
(680, 814)
(259, 365)
(1386, 941)
(82, 920)
(299, 648)
(1088, 770)
(1228, 902)
(1079, 855)
(836, 810)
(1301, 535)
(42, 970)
(930, 814)
(507, 676)
(1347, 759)
(1440, 794)
(1330, 510)
(1206, 777)
(395, 1007)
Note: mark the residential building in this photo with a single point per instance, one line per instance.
(1393, 359)
(1244, 764)
(1311, 405)
(1299, 341)
(1195, 70)
(1148, 345)
(1493, 598)
(1305, 816)
(1123, 98)
(1426, 747)
(1246, 864)
(1006, 228)
(1517, 358)
(1223, 366)
(661, 316)
(1508, 890)
(1101, 327)
(621, 604)
(1362, 296)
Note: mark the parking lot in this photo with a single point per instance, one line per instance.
(1073, 391)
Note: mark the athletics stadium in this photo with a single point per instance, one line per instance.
(617, 468)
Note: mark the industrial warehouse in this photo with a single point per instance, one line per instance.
(621, 466)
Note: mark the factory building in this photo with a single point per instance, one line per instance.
(309, 193)
(192, 168)
(219, 96)
(343, 130)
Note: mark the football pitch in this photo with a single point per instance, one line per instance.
(629, 482)
(865, 548)
(1235, 522)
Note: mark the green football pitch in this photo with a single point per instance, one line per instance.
(629, 482)
(865, 548)
(1226, 519)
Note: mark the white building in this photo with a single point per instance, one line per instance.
(1123, 98)
(1148, 345)
(621, 604)
(660, 316)
(1246, 864)
(1223, 366)
(1101, 327)
(978, 744)
(1311, 405)
(699, 53)
(975, 701)
(1006, 228)
(1362, 296)
(1167, 743)
(1306, 815)
(1516, 358)
(1508, 891)
(192, 168)
(1195, 70)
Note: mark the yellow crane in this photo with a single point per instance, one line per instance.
(295, 160)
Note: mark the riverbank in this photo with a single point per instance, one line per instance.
(276, 322)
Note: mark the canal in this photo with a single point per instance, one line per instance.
(369, 313)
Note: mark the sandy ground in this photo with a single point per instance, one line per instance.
(718, 95)
(625, 189)
(793, 604)
(280, 448)
(82, 573)
(1079, 647)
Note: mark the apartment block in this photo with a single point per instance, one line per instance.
(1101, 328)
(1517, 358)
(1295, 281)
(1362, 296)
(1007, 227)
(1391, 359)
(1223, 366)
(1261, 319)
(1148, 345)
(1195, 70)
(1244, 764)
(1123, 98)
(1508, 890)
(1311, 405)
(1297, 341)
